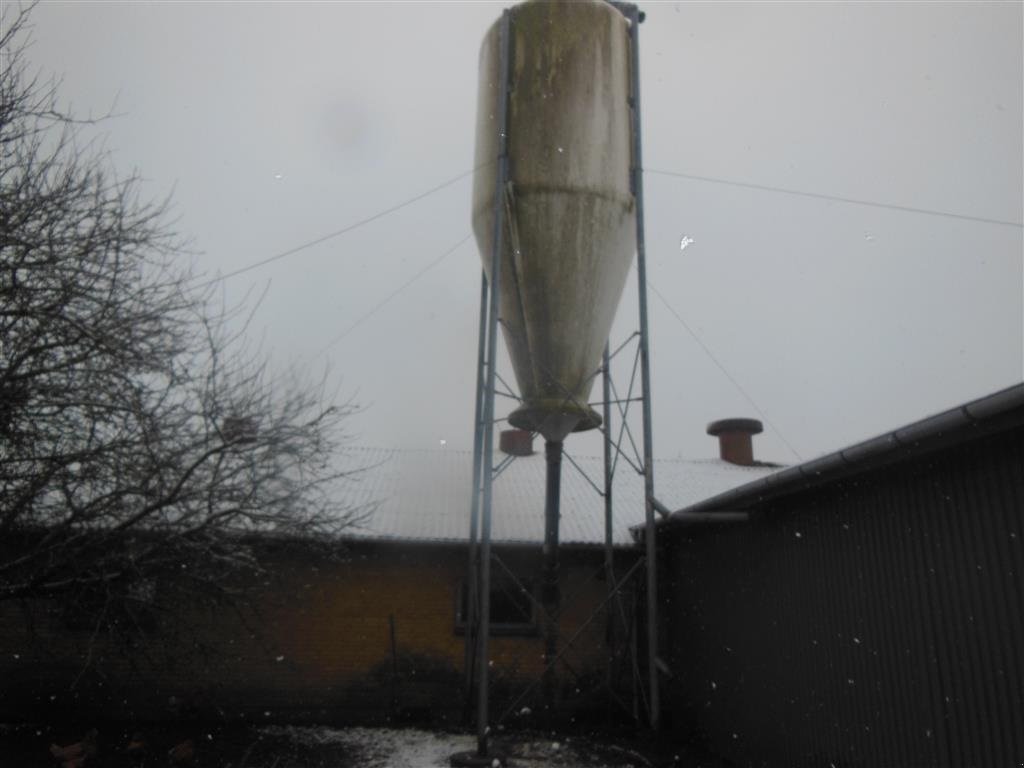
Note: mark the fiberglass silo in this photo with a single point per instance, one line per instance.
(569, 227)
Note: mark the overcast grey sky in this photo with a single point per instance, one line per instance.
(277, 123)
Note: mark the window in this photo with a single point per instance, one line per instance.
(512, 607)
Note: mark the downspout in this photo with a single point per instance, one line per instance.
(550, 595)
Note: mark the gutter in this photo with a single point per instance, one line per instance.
(994, 413)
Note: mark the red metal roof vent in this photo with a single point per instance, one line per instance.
(516, 442)
(735, 443)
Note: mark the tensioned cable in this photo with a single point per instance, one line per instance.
(722, 368)
(380, 304)
(343, 230)
(383, 302)
(835, 198)
(655, 171)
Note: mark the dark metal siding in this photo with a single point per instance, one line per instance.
(876, 621)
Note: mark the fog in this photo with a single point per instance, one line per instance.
(832, 320)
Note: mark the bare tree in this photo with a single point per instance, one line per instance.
(138, 437)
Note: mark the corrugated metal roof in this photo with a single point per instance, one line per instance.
(993, 413)
(424, 495)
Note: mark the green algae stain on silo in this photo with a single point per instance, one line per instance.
(570, 224)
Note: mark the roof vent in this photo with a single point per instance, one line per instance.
(516, 442)
(735, 443)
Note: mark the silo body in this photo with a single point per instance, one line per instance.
(569, 223)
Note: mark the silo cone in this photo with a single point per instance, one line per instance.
(569, 224)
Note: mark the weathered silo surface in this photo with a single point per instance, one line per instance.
(569, 228)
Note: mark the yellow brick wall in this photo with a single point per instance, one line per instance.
(318, 641)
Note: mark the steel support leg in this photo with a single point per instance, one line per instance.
(501, 177)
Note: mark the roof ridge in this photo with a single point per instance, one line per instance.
(579, 457)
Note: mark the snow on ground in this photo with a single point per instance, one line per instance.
(383, 747)
(411, 748)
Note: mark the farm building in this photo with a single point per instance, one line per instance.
(376, 631)
(863, 608)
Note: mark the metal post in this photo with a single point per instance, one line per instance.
(492, 362)
(606, 378)
(471, 618)
(609, 552)
(394, 665)
(551, 596)
(645, 375)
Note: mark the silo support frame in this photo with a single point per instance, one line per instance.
(650, 545)
(484, 471)
(621, 624)
(620, 443)
(565, 644)
(483, 443)
(472, 594)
